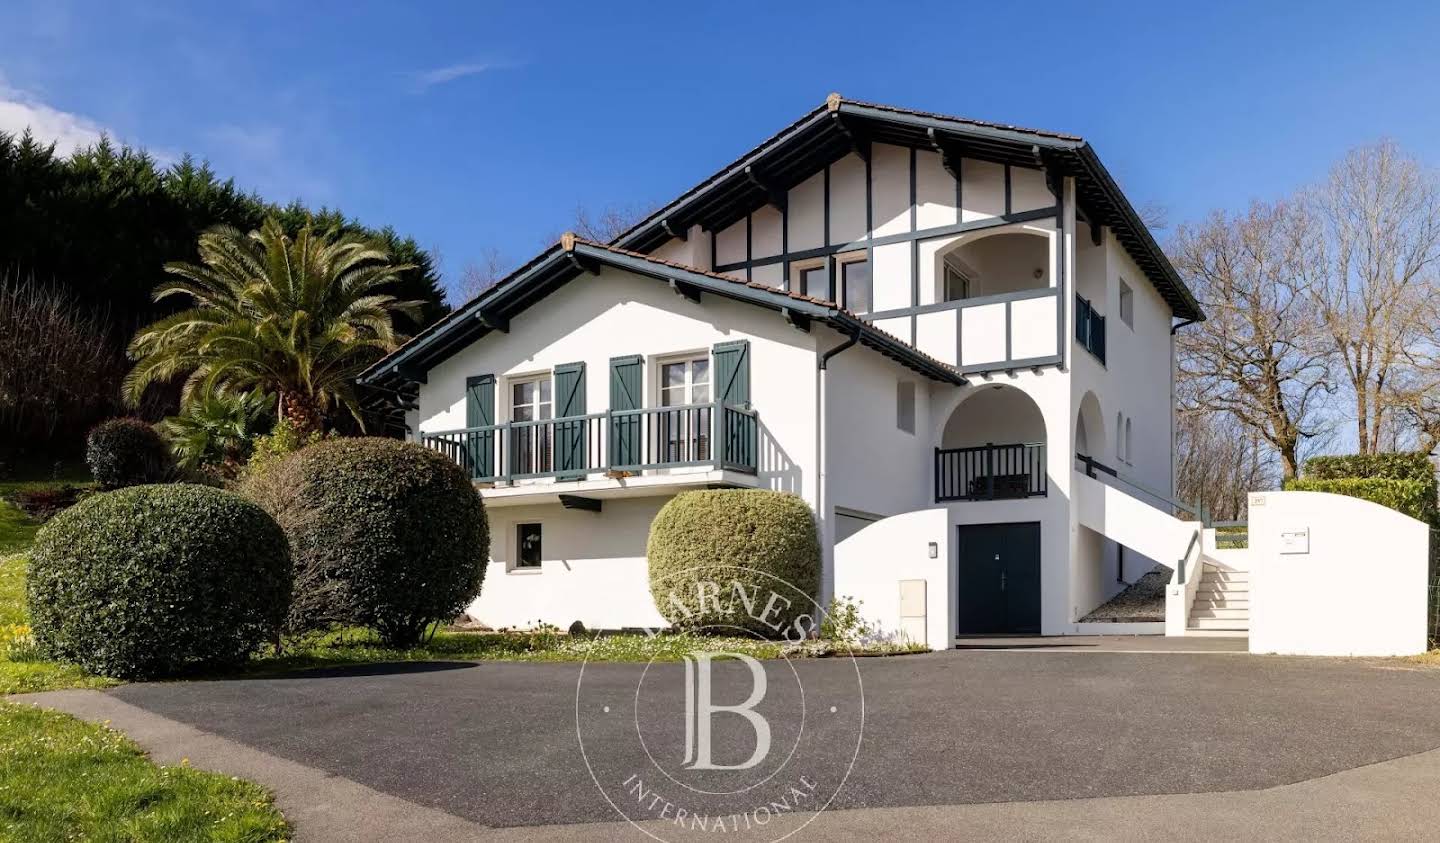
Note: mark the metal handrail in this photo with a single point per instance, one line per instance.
(1092, 465)
(1180, 568)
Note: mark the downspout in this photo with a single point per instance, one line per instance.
(822, 447)
(1173, 330)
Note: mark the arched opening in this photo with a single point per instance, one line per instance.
(1008, 262)
(992, 447)
(1090, 428)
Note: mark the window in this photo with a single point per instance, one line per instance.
(957, 284)
(684, 432)
(1127, 305)
(905, 406)
(855, 281)
(531, 401)
(815, 282)
(527, 546)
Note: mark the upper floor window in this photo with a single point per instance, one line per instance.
(815, 281)
(905, 406)
(1127, 305)
(957, 283)
(855, 282)
(685, 382)
(531, 400)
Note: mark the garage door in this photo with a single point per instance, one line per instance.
(998, 578)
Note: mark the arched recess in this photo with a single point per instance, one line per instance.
(996, 262)
(993, 447)
(1090, 428)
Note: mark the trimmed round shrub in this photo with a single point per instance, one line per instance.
(127, 452)
(727, 541)
(384, 534)
(155, 581)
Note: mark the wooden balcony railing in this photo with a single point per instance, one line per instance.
(616, 441)
(990, 472)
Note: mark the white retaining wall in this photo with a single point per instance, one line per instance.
(1335, 576)
(871, 565)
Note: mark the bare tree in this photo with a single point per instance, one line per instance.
(478, 276)
(1375, 232)
(1260, 357)
(610, 221)
(1219, 461)
(59, 365)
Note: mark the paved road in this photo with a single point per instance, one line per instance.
(495, 743)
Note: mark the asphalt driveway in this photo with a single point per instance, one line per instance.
(496, 742)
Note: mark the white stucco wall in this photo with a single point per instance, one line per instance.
(1358, 589)
(871, 566)
(593, 570)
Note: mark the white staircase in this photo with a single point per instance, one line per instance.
(1222, 602)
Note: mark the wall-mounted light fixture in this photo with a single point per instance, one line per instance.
(934, 550)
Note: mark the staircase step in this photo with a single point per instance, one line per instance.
(1220, 623)
(1242, 605)
(1212, 575)
(1220, 614)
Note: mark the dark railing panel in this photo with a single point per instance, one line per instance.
(990, 472)
(1089, 328)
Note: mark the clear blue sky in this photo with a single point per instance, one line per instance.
(483, 125)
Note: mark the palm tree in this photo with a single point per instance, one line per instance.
(297, 317)
(217, 429)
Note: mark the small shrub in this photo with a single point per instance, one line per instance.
(285, 439)
(154, 581)
(844, 623)
(1414, 498)
(127, 452)
(384, 534)
(754, 540)
(43, 502)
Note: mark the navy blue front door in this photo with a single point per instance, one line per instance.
(998, 578)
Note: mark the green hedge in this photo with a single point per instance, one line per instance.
(731, 537)
(154, 581)
(1411, 497)
(384, 534)
(1404, 465)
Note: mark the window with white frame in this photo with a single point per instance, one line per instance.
(684, 430)
(1127, 304)
(532, 400)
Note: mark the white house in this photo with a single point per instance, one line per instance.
(880, 310)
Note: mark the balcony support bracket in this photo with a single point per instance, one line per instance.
(580, 502)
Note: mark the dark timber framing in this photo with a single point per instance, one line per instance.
(842, 126)
(561, 263)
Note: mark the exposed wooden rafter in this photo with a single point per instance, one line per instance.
(685, 291)
(773, 196)
(947, 159)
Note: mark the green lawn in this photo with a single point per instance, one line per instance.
(61, 779)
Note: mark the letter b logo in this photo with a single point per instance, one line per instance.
(700, 708)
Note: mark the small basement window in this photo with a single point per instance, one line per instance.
(527, 546)
(905, 406)
(1127, 305)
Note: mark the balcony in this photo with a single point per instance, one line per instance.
(613, 444)
(990, 472)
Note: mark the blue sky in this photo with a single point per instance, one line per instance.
(478, 126)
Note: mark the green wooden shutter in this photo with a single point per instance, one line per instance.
(737, 431)
(479, 450)
(625, 394)
(570, 438)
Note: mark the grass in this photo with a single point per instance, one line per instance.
(61, 779)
